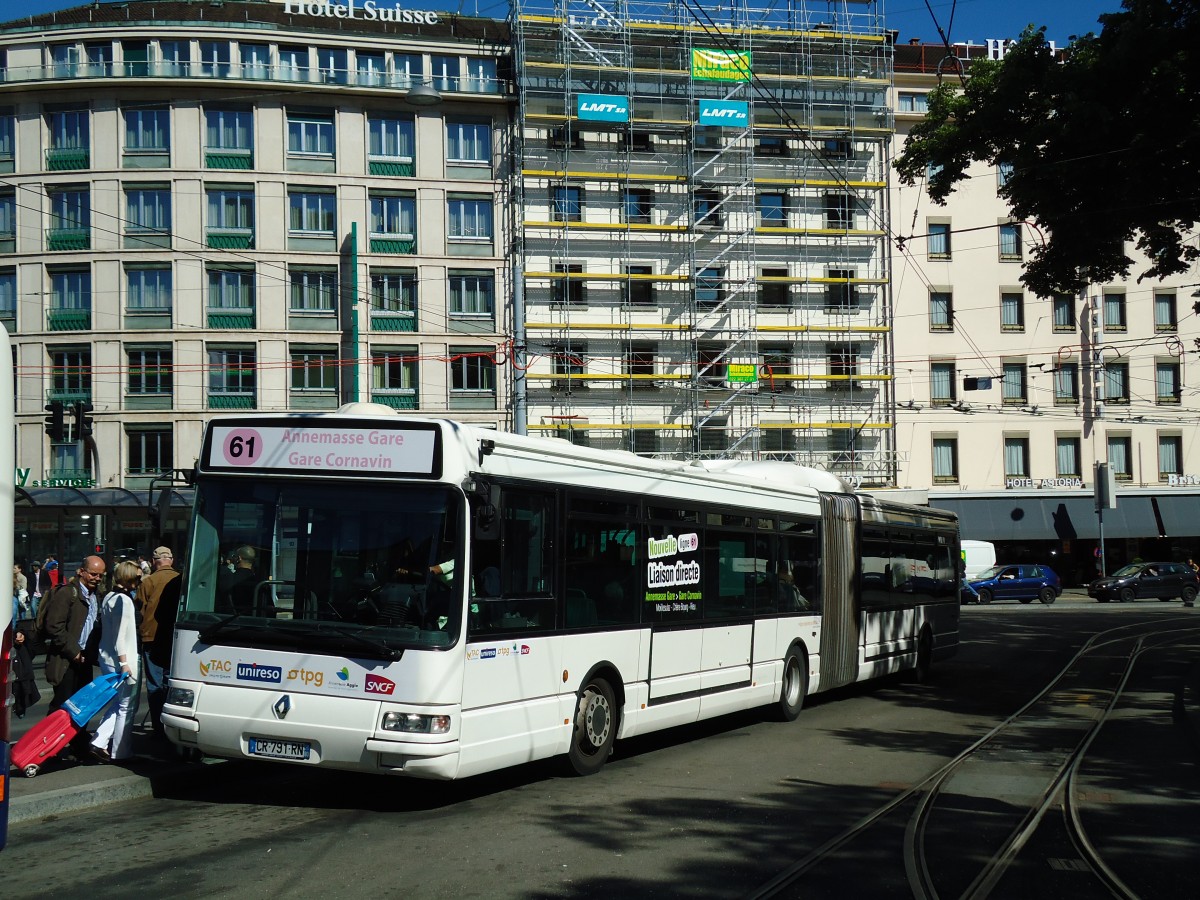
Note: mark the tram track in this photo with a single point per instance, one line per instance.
(1050, 735)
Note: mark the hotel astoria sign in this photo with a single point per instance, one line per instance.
(361, 10)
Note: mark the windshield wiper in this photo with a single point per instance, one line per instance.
(357, 636)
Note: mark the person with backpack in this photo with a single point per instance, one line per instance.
(160, 588)
(119, 653)
(69, 624)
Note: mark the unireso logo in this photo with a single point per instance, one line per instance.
(261, 674)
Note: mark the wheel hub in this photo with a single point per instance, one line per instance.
(597, 720)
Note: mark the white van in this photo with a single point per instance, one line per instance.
(977, 556)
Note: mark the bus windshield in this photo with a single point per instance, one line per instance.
(356, 570)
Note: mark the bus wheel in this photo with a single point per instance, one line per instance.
(595, 728)
(924, 668)
(795, 686)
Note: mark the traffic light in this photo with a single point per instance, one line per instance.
(83, 422)
(55, 427)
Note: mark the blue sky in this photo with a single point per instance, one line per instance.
(974, 20)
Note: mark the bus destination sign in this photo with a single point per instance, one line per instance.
(316, 450)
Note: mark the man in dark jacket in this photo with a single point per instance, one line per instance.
(72, 631)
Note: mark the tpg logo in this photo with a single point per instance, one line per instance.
(255, 672)
(377, 684)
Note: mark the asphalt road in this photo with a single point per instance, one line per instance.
(713, 810)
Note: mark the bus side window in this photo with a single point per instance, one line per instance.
(513, 576)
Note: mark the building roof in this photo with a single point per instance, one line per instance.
(264, 15)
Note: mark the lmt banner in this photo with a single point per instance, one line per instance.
(603, 107)
(724, 113)
(720, 65)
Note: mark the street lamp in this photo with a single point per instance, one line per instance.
(423, 94)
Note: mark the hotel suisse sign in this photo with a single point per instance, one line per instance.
(361, 10)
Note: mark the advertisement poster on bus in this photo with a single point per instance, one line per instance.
(673, 576)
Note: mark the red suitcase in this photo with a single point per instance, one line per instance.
(44, 741)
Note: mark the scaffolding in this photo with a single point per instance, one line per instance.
(701, 219)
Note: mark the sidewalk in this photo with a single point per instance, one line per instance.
(66, 786)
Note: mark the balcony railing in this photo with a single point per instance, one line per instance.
(231, 318)
(68, 239)
(393, 321)
(68, 320)
(231, 401)
(62, 160)
(395, 399)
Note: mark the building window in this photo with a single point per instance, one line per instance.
(332, 65)
(771, 293)
(147, 216)
(393, 223)
(391, 144)
(256, 61)
(394, 292)
(566, 203)
(1016, 457)
(8, 221)
(230, 298)
(1064, 313)
(312, 290)
(468, 141)
(941, 311)
(1010, 242)
(772, 210)
(472, 293)
(776, 365)
(1114, 313)
(472, 370)
(840, 294)
(481, 76)
(445, 72)
(394, 378)
(1116, 382)
(942, 388)
(470, 218)
(771, 145)
(310, 136)
(565, 361)
(638, 206)
(70, 300)
(1120, 457)
(70, 145)
(148, 289)
(8, 140)
(312, 213)
(1164, 313)
(314, 371)
(907, 102)
(707, 209)
(231, 378)
(639, 366)
(1012, 312)
(70, 218)
(839, 211)
(293, 64)
(945, 460)
(710, 367)
(939, 240)
(1004, 172)
(71, 374)
(214, 59)
(147, 131)
(407, 69)
(564, 288)
(1067, 457)
(710, 287)
(372, 68)
(8, 299)
(151, 451)
(1013, 384)
(229, 139)
(150, 372)
(638, 288)
(172, 58)
(1066, 384)
(1168, 383)
(842, 362)
(230, 218)
(1170, 456)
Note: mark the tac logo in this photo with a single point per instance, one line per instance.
(216, 668)
(261, 674)
(377, 684)
(343, 673)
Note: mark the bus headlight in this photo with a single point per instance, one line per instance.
(414, 723)
(178, 696)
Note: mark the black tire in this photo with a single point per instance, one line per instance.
(595, 728)
(985, 595)
(1127, 595)
(1189, 594)
(794, 688)
(1025, 600)
(1047, 596)
(923, 672)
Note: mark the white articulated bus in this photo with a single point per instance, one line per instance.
(387, 593)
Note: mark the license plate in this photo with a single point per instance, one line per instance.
(277, 749)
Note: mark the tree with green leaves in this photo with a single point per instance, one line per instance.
(1103, 140)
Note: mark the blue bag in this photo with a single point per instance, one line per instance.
(93, 697)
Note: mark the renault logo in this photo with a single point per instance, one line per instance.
(282, 707)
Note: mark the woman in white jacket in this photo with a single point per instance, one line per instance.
(119, 653)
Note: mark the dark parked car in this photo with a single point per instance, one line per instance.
(1164, 580)
(1025, 583)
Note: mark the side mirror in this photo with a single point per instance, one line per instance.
(161, 511)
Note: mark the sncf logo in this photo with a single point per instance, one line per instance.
(377, 685)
